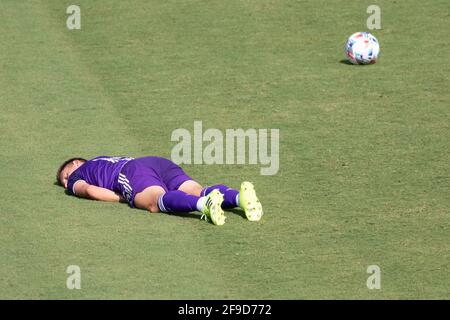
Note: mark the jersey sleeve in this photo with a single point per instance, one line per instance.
(73, 179)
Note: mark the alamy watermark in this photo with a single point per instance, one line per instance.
(73, 22)
(234, 146)
(74, 279)
(374, 20)
(374, 280)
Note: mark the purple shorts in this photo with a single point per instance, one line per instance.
(141, 173)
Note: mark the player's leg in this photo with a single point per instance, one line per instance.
(231, 196)
(148, 198)
(179, 201)
(176, 179)
(191, 187)
(183, 189)
(245, 198)
(141, 184)
(249, 202)
(156, 199)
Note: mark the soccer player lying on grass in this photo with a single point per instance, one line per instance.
(154, 184)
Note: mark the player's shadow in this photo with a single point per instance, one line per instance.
(58, 185)
(197, 215)
(238, 212)
(186, 215)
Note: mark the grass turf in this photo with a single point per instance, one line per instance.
(364, 160)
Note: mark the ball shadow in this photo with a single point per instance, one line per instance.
(347, 62)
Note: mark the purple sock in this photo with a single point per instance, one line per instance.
(229, 195)
(177, 201)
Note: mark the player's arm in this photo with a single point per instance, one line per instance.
(89, 191)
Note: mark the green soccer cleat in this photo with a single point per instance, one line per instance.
(249, 202)
(213, 208)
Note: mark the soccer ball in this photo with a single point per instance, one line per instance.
(362, 48)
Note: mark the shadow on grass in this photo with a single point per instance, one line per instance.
(238, 212)
(198, 215)
(60, 186)
(185, 215)
(345, 61)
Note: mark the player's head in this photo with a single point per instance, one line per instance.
(66, 169)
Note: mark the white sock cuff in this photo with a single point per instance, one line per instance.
(201, 204)
(161, 204)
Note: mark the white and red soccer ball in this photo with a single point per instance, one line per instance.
(362, 48)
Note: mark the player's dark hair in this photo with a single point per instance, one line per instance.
(61, 168)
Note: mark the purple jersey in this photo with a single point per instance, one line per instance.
(101, 171)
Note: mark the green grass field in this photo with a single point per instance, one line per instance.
(364, 150)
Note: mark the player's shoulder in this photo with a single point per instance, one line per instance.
(101, 158)
(74, 177)
(77, 174)
(111, 159)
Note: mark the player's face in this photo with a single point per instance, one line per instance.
(67, 171)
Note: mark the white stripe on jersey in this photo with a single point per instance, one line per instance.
(123, 181)
(126, 187)
(125, 184)
(123, 178)
(113, 159)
